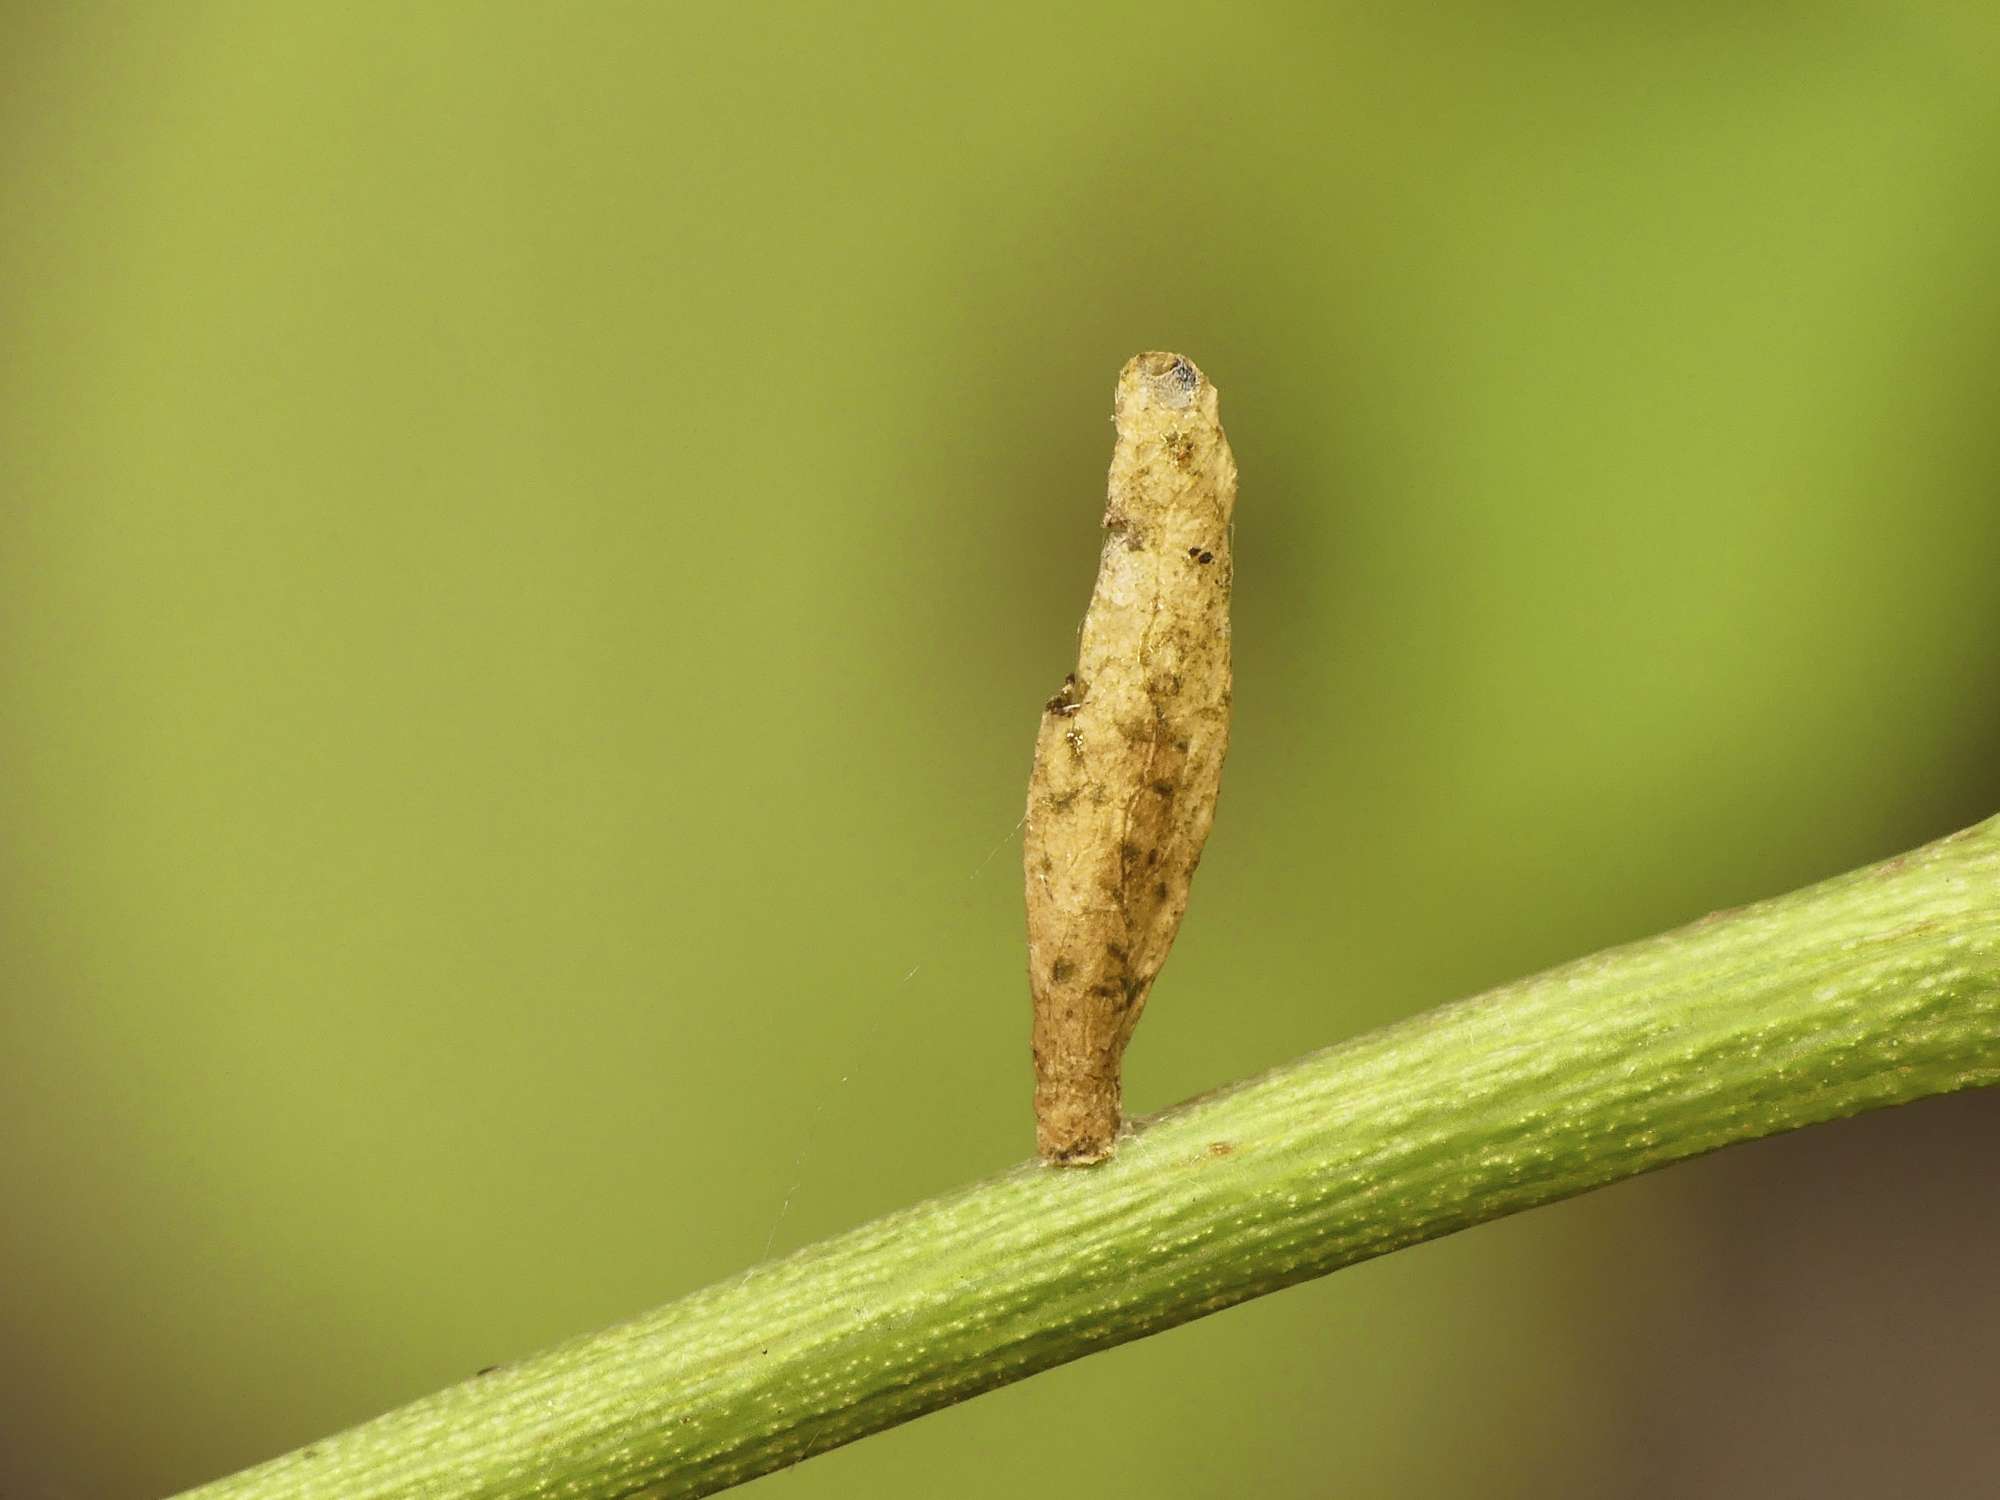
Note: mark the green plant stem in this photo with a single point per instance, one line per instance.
(1873, 989)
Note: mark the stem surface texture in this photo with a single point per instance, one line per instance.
(1876, 988)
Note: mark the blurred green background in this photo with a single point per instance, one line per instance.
(532, 540)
